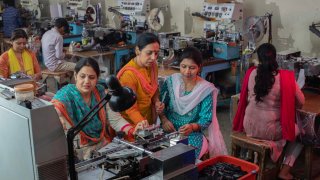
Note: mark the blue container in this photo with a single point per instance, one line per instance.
(222, 50)
(75, 29)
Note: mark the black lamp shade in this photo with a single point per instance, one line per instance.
(122, 97)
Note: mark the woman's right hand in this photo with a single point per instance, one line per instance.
(168, 126)
(140, 126)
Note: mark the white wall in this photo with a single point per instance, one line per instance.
(290, 21)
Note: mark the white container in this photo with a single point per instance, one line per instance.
(24, 92)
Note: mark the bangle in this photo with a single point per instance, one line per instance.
(192, 125)
(130, 134)
(123, 127)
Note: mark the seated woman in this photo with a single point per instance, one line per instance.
(141, 75)
(73, 101)
(190, 105)
(18, 58)
(266, 111)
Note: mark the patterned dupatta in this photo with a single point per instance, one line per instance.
(184, 103)
(69, 102)
(147, 87)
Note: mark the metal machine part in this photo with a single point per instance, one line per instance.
(33, 142)
(150, 156)
(155, 19)
(255, 27)
(166, 39)
(32, 6)
(232, 11)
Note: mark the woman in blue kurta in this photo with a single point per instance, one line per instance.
(190, 105)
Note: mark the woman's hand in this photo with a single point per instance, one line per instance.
(168, 126)
(140, 126)
(37, 77)
(186, 129)
(159, 107)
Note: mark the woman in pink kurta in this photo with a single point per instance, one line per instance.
(266, 111)
(267, 106)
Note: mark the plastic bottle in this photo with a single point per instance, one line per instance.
(84, 36)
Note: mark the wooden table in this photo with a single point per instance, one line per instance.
(164, 71)
(114, 55)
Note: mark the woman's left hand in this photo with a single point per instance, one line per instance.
(159, 107)
(186, 129)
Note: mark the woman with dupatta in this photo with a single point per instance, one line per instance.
(18, 58)
(268, 100)
(74, 101)
(141, 75)
(190, 106)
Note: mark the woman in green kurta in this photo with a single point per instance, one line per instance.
(190, 104)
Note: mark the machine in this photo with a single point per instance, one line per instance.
(223, 24)
(38, 147)
(32, 6)
(35, 143)
(82, 10)
(155, 155)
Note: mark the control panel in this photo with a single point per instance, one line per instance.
(134, 7)
(232, 11)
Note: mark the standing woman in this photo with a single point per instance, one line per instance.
(19, 58)
(190, 106)
(141, 75)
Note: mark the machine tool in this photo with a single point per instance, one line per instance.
(154, 155)
(222, 27)
(39, 145)
(34, 140)
(32, 6)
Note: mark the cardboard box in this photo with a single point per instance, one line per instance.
(218, 1)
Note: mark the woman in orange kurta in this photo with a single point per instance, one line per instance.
(19, 58)
(141, 75)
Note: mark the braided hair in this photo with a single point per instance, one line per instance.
(266, 70)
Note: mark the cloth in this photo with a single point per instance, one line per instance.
(11, 20)
(68, 102)
(29, 63)
(144, 82)
(52, 49)
(276, 114)
(197, 106)
(66, 66)
(26, 65)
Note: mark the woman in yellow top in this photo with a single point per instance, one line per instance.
(141, 75)
(19, 58)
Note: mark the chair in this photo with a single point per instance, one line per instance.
(59, 78)
(258, 152)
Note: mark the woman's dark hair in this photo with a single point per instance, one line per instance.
(18, 33)
(145, 39)
(266, 71)
(191, 53)
(87, 62)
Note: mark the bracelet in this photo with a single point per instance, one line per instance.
(130, 133)
(192, 127)
(123, 127)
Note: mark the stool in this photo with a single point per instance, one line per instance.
(58, 76)
(258, 152)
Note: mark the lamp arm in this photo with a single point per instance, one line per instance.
(72, 132)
